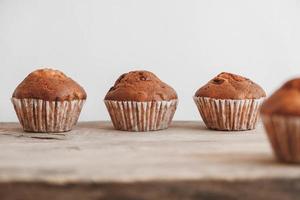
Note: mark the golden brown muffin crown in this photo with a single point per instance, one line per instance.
(49, 85)
(284, 101)
(230, 86)
(140, 86)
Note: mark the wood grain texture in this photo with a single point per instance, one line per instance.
(275, 189)
(186, 157)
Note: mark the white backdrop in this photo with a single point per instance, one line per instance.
(184, 42)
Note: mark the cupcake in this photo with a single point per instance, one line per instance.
(140, 101)
(48, 101)
(229, 102)
(281, 117)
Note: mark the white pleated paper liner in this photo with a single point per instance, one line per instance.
(37, 115)
(141, 116)
(228, 114)
(284, 135)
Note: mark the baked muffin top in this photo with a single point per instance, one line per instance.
(49, 85)
(230, 86)
(140, 86)
(284, 101)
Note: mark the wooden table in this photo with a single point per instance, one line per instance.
(186, 161)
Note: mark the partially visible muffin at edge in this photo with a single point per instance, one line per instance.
(140, 101)
(48, 101)
(229, 102)
(140, 86)
(285, 101)
(281, 118)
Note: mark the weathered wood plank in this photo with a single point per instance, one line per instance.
(275, 189)
(94, 151)
(185, 154)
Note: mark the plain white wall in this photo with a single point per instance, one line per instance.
(184, 42)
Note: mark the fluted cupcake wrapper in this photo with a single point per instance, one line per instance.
(227, 114)
(141, 116)
(284, 135)
(36, 115)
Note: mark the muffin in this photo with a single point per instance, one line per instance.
(140, 101)
(229, 102)
(48, 101)
(281, 117)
